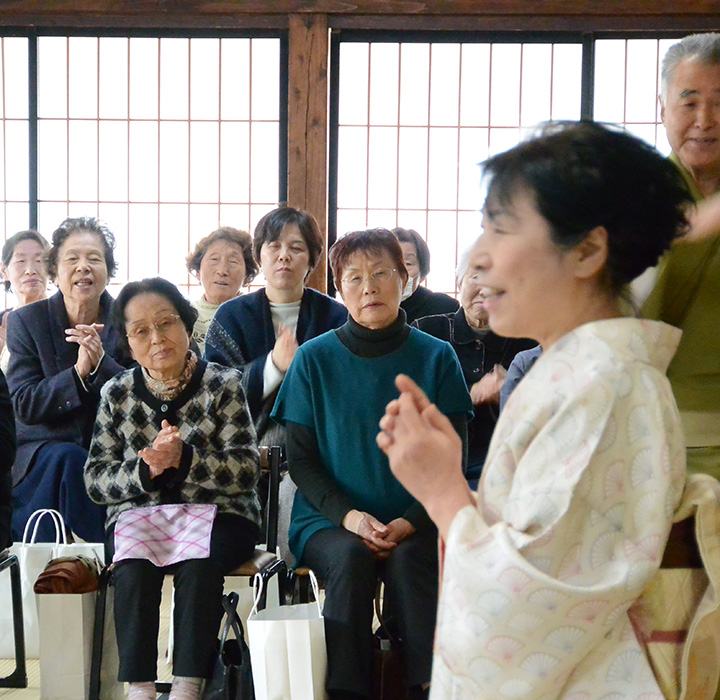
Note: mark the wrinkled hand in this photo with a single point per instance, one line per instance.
(398, 530)
(165, 452)
(91, 350)
(372, 532)
(284, 349)
(704, 219)
(425, 453)
(487, 390)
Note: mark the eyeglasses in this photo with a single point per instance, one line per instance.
(378, 277)
(163, 327)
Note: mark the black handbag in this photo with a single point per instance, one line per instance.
(231, 677)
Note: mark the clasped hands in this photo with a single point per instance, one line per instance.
(379, 538)
(165, 452)
(90, 351)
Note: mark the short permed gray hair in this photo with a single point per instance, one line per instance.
(704, 48)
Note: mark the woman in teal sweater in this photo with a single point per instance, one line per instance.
(352, 521)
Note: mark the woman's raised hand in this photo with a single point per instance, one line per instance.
(165, 452)
(285, 348)
(487, 390)
(90, 351)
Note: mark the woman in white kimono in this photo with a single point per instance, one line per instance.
(586, 466)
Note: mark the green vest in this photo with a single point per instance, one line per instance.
(687, 295)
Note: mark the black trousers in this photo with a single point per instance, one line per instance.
(198, 608)
(351, 572)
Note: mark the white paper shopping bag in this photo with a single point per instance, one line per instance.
(287, 649)
(32, 557)
(66, 632)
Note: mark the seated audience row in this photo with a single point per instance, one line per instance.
(153, 443)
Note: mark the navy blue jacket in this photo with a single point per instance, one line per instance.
(478, 354)
(241, 334)
(49, 400)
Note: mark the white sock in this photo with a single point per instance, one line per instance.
(186, 688)
(141, 691)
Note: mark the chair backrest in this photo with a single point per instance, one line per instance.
(270, 460)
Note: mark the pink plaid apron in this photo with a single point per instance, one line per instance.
(165, 534)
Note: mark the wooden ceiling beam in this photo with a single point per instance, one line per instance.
(495, 14)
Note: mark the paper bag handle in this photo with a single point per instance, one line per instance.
(36, 517)
(258, 588)
(257, 592)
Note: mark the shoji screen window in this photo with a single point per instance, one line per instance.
(14, 176)
(14, 112)
(627, 85)
(415, 119)
(163, 138)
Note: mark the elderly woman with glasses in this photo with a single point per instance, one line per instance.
(352, 521)
(173, 443)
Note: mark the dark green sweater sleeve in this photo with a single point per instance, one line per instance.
(310, 476)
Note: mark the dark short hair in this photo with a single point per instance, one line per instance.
(583, 175)
(372, 240)
(9, 247)
(410, 235)
(151, 285)
(82, 224)
(231, 235)
(270, 227)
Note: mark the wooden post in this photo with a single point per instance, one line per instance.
(308, 51)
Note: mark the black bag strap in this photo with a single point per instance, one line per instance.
(394, 643)
(232, 619)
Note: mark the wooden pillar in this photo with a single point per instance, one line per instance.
(308, 51)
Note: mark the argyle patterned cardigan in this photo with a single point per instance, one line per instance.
(220, 460)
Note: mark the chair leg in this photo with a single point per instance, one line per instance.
(18, 678)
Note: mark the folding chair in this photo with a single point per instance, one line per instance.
(263, 562)
(18, 678)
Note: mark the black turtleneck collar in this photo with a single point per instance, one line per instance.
(369, 343)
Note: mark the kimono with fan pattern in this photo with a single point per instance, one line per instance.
(584, 472)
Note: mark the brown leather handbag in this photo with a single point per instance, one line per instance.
(78, 574)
